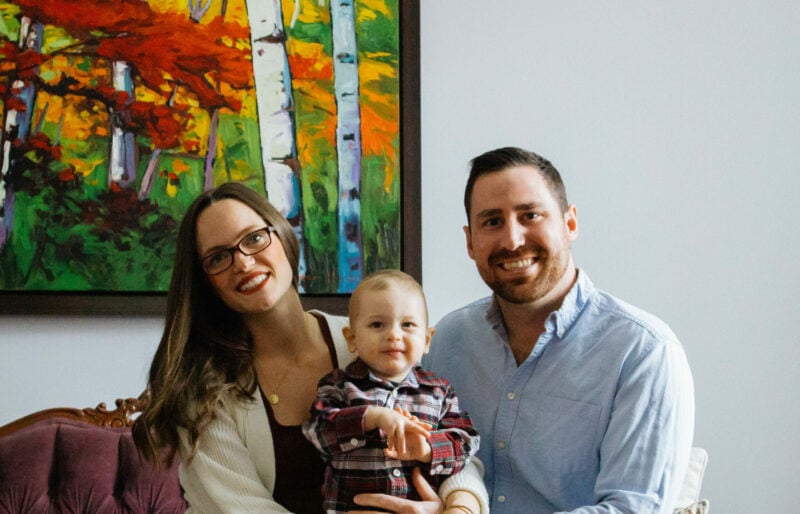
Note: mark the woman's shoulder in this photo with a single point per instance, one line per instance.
(335, 325)
(334, 321)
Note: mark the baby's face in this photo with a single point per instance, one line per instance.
(389, 331)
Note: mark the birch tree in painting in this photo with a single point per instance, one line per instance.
(18, 116)
(348, 143)
(198, 9)
(122, 161)
(276, 122)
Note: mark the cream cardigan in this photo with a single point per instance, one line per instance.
(233, 469)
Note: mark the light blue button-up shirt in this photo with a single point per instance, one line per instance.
(598, 418)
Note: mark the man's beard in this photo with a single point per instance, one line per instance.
(529, 289)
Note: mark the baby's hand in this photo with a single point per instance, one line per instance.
(406, 435)
(417, 448)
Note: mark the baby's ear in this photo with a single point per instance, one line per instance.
(428, 337)
(349, 336)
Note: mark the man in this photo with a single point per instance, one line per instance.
(584, 403)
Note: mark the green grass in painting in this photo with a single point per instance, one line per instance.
(379, 34)
(380, 217)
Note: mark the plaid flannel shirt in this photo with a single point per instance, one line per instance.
(355, 460)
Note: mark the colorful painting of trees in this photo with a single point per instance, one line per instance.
(116, 114)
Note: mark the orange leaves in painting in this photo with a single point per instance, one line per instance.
(161, 47)
(310, 67)
(377, 132)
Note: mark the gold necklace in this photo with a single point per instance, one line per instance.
(273, 397)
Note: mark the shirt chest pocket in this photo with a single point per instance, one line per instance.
(563, 435)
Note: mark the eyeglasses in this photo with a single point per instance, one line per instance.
(250, 244)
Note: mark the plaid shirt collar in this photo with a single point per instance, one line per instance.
(358, 370)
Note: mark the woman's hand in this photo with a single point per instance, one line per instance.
(429, 504)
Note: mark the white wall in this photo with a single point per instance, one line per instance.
(676, 126)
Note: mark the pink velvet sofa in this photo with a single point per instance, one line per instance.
(82, 461)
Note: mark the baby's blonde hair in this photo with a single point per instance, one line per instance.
(382, 280)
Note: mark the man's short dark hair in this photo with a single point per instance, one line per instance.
(511, 156)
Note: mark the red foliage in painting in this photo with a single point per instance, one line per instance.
(156, 45)
(191, 145)
(27, 62)
(7, 49)
(164, 124)
(309, 68)
(120, 210)
(40, 141)
(67, 174)
(16, 104)
(8, 54)
(86, 15)
(117, 100)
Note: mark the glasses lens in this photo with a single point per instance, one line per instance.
(217, 262)
(255, 242)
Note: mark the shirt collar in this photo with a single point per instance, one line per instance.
(573, 303)
(564, 317)
(359, 370)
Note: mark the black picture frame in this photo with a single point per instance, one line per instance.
(154, 304)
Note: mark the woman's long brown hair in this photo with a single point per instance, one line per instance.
(205, 349)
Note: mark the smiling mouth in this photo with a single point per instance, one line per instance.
(253, 283)
(518, 264)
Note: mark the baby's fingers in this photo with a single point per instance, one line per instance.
(396, 440)
(419, 429)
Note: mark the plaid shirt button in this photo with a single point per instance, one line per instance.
(397, 473)
(354, 441)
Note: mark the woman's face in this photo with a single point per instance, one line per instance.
(253, 283)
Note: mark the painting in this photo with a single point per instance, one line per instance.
(117, 114)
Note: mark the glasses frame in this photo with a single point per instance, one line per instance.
(231, 250)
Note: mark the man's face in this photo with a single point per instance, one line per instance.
(518, 236)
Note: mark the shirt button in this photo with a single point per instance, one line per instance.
(501, 499)
(511, 396)
(396, 473)
(439, 468)
(501, 444)
(354, 441)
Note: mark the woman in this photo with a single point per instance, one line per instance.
(237, 367)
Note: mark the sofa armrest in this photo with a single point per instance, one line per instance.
(72, 460)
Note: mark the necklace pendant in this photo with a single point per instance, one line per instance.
(273, 399)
